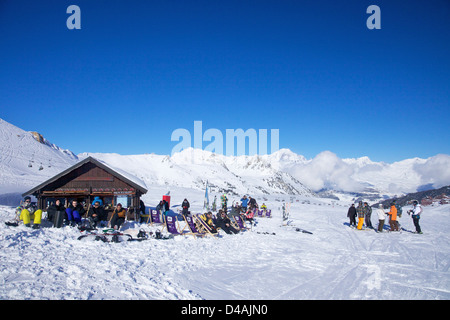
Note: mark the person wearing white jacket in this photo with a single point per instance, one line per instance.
(381, 217)
(415, 214)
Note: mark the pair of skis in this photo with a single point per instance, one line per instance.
(295, 228)
(111, 235)
(115, 236)
(106, 235)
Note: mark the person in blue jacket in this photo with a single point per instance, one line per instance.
(244, 203)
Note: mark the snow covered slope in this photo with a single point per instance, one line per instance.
(22, 154)
(335, 262)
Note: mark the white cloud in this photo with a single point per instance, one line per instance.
(327, 171)
(435, 170)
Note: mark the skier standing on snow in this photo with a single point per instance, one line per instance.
(160, 207)
(185, 205)
(214, 205)
(244, 204)
(415, 215)
(381, 217)
(368, 214)
(399, 213)
(360, 211)
(352, 215)
(393, 217)
(252, 203)
(224, 202)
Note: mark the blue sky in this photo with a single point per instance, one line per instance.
(138, 70)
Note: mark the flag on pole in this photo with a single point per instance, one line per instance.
(206, 203)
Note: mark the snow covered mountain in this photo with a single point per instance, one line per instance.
(23, 154)
(191, 168)
(27, 159)
(285, 172)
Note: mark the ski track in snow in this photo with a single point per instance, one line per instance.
(335, 262)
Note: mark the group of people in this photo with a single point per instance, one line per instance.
(222, 221)
(96, 213)
(245, 207)
(72, 215)
(245, 210)
(163, 206)
(247, 203)
(364, 213)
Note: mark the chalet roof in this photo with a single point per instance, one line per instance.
(121, 174)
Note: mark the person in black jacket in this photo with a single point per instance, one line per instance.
(252, 203)
(352, 215)
(224, 223)
(185, 205)
(53, 208)
(166, 205)
(96, 214)
(143, 216)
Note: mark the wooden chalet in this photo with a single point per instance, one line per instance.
(86, 180)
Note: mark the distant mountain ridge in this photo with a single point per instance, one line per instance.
(23, 153)
(419, 196)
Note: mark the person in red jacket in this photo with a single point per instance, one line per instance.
(249, 215)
